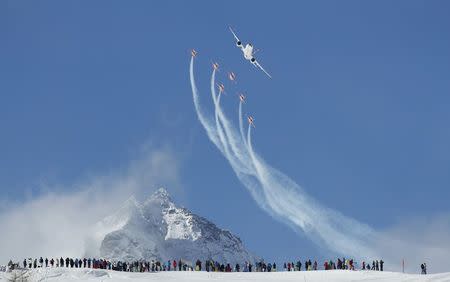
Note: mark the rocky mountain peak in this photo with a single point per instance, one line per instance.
(160, 198)
(159, 229)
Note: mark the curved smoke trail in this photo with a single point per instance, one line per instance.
(225, 130)
(206, 123)
(276, 193)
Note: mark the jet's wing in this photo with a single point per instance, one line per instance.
(234, 34)
(259, 66)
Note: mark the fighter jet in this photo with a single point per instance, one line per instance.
(232, 76)
(242, 98)
(193, 53)
(221, 88)
(250, 121)
(248, 52)
(215, 66)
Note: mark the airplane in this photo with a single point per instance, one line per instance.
(250, 121)
(242, 98)
(193, 53)
(215, 66)
(232, 76)
(248, 52)
(221, 88)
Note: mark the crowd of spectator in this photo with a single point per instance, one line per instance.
(183, 265)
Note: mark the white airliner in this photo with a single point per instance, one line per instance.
(248, 51)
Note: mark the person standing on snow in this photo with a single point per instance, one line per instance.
(423, 266)
(207, 265)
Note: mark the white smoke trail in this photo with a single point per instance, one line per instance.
(241, 123)
(290, 204)
(207, 124)
(219, 130)
(223, 139)
(225, 130)
(277, 194)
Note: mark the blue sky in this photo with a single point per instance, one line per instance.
(356, 112)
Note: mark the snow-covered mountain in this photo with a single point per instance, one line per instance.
(158, 229)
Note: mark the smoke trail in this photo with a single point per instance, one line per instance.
(277, 194)
(290, 204)
(216, 99)
(224, 128)
(241, 124)
(223, 134)
(206, 123)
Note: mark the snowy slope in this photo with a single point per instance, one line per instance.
(62, 274)
(158, 229)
